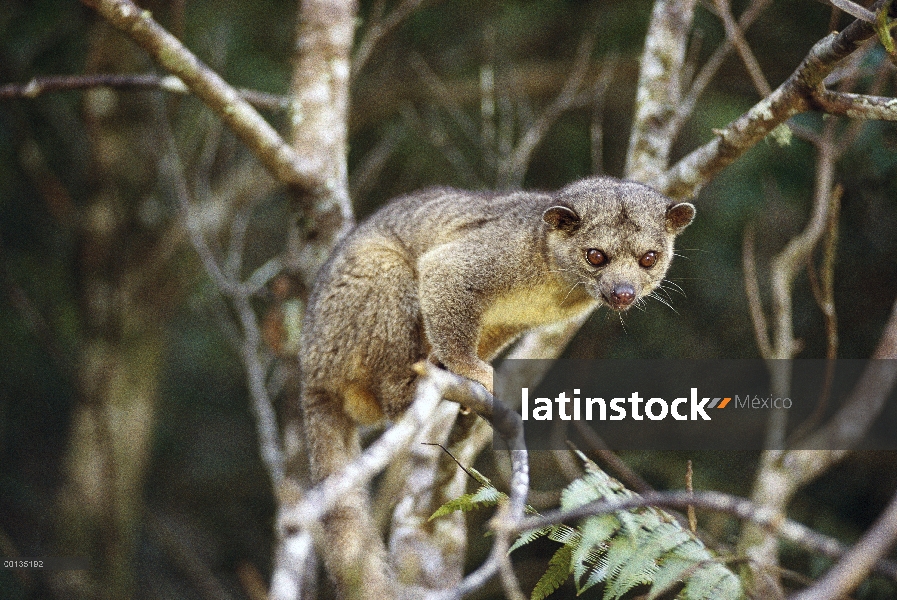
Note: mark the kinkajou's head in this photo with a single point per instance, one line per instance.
(614, 237)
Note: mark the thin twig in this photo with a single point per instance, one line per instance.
(713, 64)
(39, 86)
(379, 28)
(752, 292)
(853, 9)
(211, 89)
(512, 170)
(270, 446)
(856, 564)
(797, 94)
(736, 35)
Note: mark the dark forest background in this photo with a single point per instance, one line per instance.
(95, 273)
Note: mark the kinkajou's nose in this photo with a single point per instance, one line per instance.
(622, 296)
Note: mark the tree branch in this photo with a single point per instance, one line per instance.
(379, 28)
(283, 162)
(512, 170)
(856, 564)
(853, 9)
(740, 508)
(710, 68)
(736, 36)
(146, 81)
(659, 89)
(801, 92)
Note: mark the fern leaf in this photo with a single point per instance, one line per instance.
(557, 572)
(479, 477)
(529, 536)
(669, 574)
(578, 493)
(564, 534)
(596, 532)
(712, 581)
(487, 496)
(482, 498)
(596, 576)
(591, 555)
(651, 546)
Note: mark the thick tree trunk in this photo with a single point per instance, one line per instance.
(100, 503)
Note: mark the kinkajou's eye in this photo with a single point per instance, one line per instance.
(648, 259)
(595, 257)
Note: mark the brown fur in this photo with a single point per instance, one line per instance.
(455, 277)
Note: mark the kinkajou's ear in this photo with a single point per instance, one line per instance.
(679, 216)
(562, 217)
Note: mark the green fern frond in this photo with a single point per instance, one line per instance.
(671, 574)
(484, 497)
(564, 534)
(529, 536)
(555, 575)
(626, 549)
(593, 546)
(478, 477)
(710, 582)
(596, 574)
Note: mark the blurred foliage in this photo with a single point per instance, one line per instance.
(204, 478)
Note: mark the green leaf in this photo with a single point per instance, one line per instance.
(556, 574)
(482, 498)
(564, 534)
(596, 532)
(670, 572)
(529, 536)
(712, 581)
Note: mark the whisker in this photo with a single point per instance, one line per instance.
(662, 290)
(675, 285)
(662, 301)
(626, 331)
(575, 285)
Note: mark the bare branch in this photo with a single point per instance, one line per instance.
(512, 170)
(167, 534)
(266, 420)
(294, 568)
(369, 168)
(446, 99)
(318, 501)
(752, 291)
(209, 87)
(434, 385)
(508, 425)
(736, 35)
(854, 10)
(740, 508)
(379, 28)
(797, 94)
(596, 125)
(796, 253)
(148, 81)
(857, 106)
(708, 71)
(856, 564)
